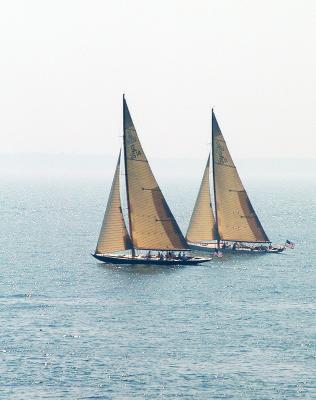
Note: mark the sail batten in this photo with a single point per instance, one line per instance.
(152, 225)
(202, 226)
(236, 218)
(114, 235)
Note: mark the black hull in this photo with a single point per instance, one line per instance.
(151, 261)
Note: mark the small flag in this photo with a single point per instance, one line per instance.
(289, 244)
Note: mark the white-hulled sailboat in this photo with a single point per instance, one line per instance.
(235, 226)
(152, 226)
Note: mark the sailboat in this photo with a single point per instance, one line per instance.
(234, 224)
(152, 226)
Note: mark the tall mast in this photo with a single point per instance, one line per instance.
(126, 181)
(214, 187)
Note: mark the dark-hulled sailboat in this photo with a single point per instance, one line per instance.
(235, 226)
(152, 226)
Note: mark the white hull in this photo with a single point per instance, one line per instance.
(210, 248)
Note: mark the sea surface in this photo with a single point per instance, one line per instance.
(241, 327)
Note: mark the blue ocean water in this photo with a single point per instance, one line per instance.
(241, 327)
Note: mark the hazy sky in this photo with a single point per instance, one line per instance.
(65, 64)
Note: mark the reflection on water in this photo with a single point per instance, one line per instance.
(148, 269)
(238, 327)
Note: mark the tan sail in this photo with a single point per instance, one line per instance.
(202, 227)
(236, 218)
(152, 225)
(113, 234)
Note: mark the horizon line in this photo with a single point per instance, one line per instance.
(70, 154)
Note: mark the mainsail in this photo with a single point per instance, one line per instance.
(202, 225)
(113, 235)
(152, 225)
(236, 218)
